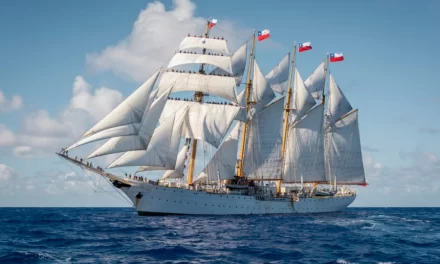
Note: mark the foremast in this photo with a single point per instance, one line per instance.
(198, 97)
(240, 162)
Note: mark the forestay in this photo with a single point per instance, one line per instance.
(189, 43)
(305, 149)
(344, 151)
(224, 62)
(263, 147)
(278, 76)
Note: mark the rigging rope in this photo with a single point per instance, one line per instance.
(91, 186)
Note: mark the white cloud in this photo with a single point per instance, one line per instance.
(155, 36)
(6, 105)
(6, 174)
(98, 104)
(42, 133)
(7, 138)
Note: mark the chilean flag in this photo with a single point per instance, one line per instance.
(334, 57)
(305, 46)
(264, 34)
(212, 23)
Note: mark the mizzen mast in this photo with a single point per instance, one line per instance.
(198, 97)
(287, 113)
(240, 162)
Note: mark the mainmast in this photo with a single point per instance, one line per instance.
(287, 113)
(198, 96)
(248, 94)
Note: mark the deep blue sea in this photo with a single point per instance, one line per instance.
(119, 235)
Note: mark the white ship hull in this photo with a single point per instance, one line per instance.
(160, 200)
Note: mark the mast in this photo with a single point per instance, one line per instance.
(287, 113)
(198, 96)
(248, 94)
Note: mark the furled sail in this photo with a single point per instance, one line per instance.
(305, 148)
(238, 61)
(316, 81)
(303, 101)
(222, 164)
(279, 75)
(189, 43)
(130, 111)
(263, 147)
(338, 104)
(344, 151)
(222, 86)
(262, 92)
(223, 62)
(139, 141)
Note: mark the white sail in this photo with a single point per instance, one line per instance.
(263, 150)
(162, 150)
(223, 62)
(214, 85)
(344, 151)
(139, 141)
(238, 61)
(316, 81)
(125, 130)
(262, 92)
(177, 173)
(305, 149)
(224, 160)
(303, 101)
(279, 75)
(130, 111)
(338, 104)
(209, 122)
(189, 43)
(118, 145)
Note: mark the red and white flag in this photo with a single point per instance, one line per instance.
(334, 57)
(264, 34)
(212, 23)
(304, 46)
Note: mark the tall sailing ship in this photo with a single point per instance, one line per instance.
(272, 149)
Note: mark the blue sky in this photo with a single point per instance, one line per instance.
(388, 73)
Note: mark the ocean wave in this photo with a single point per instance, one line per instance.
(106, 235)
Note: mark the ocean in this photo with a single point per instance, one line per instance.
(119, 235)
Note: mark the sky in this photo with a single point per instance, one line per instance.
(65, 64)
